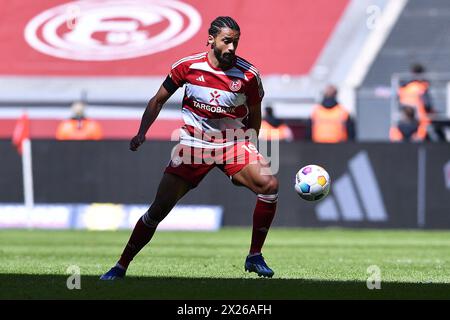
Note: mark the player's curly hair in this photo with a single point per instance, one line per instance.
(222, 22)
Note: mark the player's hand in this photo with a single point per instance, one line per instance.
(136, 141)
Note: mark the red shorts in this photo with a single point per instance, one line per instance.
(193, 164)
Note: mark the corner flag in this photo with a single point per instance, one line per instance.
(21, 132)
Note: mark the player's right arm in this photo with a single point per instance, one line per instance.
(150, 114)
(174, 80)
(169, 86)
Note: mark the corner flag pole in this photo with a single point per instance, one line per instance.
(21, 139)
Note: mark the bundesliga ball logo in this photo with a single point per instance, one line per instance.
(112, 30)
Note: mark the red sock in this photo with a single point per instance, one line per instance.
(139, 238)
(262, 219)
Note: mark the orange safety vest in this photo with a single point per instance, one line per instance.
(396, 135)
(84, 129)
(411, 95)
(329, 124)
(268, 132)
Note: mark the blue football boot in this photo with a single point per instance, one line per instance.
(257, 264)
(115, 273)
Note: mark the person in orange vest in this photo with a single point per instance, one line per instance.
(415, 93)
(273, 128)
(330, 122)
(79, 127)
(407, 127)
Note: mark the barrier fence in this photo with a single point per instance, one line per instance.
(374, 185)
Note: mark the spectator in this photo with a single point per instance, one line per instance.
(406, 129)
(273, 128)
(415, 93)
(330, 122)
(79, 127)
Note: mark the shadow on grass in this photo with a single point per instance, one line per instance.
(20, 286)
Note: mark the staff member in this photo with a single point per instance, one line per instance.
(330, 122)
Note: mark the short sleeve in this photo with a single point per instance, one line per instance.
(178, 74)
(255, 92)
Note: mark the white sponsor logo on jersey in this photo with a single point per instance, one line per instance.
(112, 30)
(210, 108)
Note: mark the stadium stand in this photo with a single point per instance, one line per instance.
(52, 82)
(418, 36)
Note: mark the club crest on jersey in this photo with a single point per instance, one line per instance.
(235, 85)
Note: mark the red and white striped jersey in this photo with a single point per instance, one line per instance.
(215, 100)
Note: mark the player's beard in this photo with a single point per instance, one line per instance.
(226, 60)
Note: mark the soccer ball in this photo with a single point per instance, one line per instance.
(312, 182)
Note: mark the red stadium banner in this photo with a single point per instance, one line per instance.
(144, 37)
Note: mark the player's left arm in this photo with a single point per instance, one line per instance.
(254, 117)
(254, 97)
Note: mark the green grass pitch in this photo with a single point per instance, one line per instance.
(308, 264)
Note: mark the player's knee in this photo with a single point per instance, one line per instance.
(268, 186)
(272, 187)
